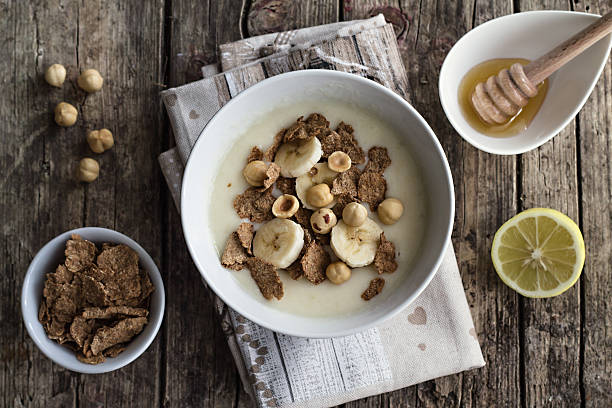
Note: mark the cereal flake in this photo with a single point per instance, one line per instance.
(384, 260)
(376, 286)
(378, 160)
(79, 252)
(121, 332)
(314, 261)
(234, 255)
(297, 131)
(245, 235)
(343, 141)
(286, 185)
(271, 151)
(266, 277)
(346, 182)
(372, 188)
(255, 154)
(272, 174)
(255, 205)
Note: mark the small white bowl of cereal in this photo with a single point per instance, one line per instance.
(92, 300)
(324, 210)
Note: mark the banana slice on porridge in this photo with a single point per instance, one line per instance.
(297, 157)
(356, 245)
(321, 174)
(279, 242)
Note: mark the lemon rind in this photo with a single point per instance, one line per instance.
(564, 221)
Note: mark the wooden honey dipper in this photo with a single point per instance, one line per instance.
(503, 95)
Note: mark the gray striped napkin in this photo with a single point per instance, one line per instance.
(433, 337)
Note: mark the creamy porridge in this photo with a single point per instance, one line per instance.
(403, 182)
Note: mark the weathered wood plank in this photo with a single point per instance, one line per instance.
(595, 150)
(37, 160)
(425, 34)
(485, 191)
(353, 10)
(39, 197)
(126, 197)
(551, 327)
(199, 368)
(268, 16)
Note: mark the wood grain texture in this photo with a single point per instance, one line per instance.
(405, 397)
(269, 16)
(37, 159)
(199, 369)
(595, 188)
(127, 195)
(551, 327)
(426, 31)
(485, 191)
(551, 352)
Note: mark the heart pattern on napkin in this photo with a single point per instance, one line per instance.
(418, 317)
(422, 346)
(193, 114)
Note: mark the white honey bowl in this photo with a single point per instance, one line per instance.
(525, 35)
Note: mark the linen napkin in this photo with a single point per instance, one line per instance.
(433, 337)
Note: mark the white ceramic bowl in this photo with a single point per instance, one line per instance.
(47, 260)
(525, 35)
(230, 123)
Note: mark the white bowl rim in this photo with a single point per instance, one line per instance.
(536, 143)
(449, 184)
(76, 365)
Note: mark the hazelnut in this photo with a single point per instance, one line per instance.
(285, 206)
(90, 81)
(55, 75)
(65, 114)
(323, 220)
(354, 214)
(338, 272)
(255, 173)
(339, 161)
(100, 140)
(319, 195)
(390, 210)
(89, 169)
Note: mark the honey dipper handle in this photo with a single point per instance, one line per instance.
(543, 67)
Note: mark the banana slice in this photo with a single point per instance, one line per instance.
(296, 158)
(279, 242)
(305, 181)
(356, 245)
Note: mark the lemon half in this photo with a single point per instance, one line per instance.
(538, 252)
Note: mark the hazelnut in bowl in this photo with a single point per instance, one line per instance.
(323, 210)
(92, 300)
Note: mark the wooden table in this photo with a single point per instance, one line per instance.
(553, 352)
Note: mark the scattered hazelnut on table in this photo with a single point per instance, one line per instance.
(338, 272)
(390, 210)
(285, 206)
(323, 220)
(65, 114)
(90, 81)
(100, 140)
(339, 161)
(255, 173)
(354, 214)
(89, 169)
(319, 195)
(55, 75)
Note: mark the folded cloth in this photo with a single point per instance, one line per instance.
(433, 337)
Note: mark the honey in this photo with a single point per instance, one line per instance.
(480, 73)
